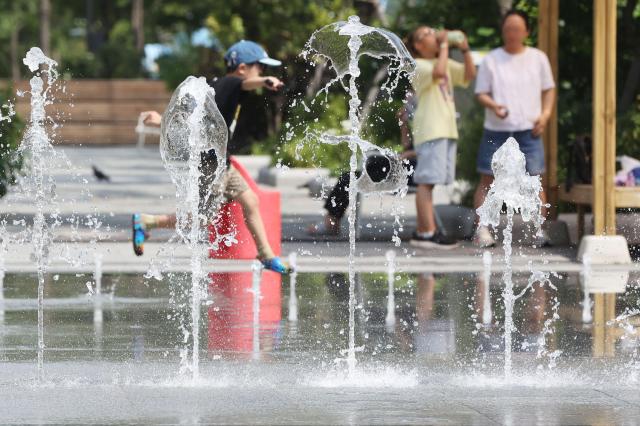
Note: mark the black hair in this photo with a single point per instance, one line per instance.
(519, 13)
(231, 68)
(410, 39)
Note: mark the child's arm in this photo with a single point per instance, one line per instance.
(151, 117)
(253, 83)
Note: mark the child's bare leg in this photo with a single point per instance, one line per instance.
(250, 207)
(142, 223)
(151, 221)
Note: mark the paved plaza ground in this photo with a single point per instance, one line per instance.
(140, 183)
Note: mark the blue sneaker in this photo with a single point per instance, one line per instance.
(275, 264)
(139, 234)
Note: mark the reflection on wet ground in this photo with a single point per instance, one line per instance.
(430, 350)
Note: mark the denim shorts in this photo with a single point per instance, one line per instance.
(530, 146)
(436, 162)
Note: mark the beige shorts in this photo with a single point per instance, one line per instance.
(233, 184)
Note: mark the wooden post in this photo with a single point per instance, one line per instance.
(604, 116)
(598, 135)
(610, 117)
(137, 23)
(548, 43)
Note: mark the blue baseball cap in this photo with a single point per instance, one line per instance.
(248, 52)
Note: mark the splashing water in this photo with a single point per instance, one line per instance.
(193, 146)
(4, 242)
(520, 192)
(587, 317)
(36, 186)
(293, 278)
(36, 146)
(343, 43)
(390, 318)
(256, 279)
(487, 315)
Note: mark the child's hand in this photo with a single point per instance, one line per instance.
(151, 117)
(273, 83)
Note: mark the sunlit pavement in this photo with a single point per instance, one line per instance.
(139, 183)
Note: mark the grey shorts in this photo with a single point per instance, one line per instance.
(436, 162)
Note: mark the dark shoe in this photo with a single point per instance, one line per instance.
(437, 241)
(139, 234)
(276, 265)
(543, 240)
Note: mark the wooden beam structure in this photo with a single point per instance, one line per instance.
(548, 11)
(604, 116)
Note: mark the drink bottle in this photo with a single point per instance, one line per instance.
(455, 37)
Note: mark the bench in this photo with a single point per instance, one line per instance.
(582, 195)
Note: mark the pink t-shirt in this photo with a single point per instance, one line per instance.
(517, 82)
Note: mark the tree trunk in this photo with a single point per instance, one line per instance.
(45, 29)
(372, 95)
(628, 30)
(13, 47)
(137, 23)
(631, 86)
(315, 82)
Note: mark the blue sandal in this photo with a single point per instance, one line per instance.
(276, 265)
(139, 234)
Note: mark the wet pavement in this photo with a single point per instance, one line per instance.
(430, 351)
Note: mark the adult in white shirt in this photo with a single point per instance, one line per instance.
(516, 87)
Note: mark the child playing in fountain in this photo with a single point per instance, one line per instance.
(435, 131)
(245, 63)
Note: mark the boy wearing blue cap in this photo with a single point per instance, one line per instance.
(245, 63)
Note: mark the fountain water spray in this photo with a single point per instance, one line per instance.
(587, 316)
(390, 319)
(486, 294)
(293, 278)
(4, 242)
(256, 279)
(342, 44)
(36, 184)
(36, 148)
(193, 146)
(98, 297)
(520, 192)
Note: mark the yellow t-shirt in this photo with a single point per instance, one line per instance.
(435, 116)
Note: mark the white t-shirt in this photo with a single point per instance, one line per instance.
(515, 81)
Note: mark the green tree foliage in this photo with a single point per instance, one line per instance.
(101, 44)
